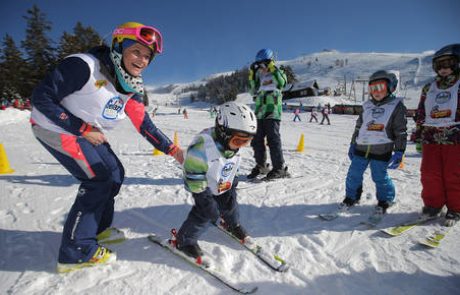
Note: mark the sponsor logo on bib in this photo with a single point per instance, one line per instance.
(378, 112)
(227, 169)
(442, 97)
(113, 107)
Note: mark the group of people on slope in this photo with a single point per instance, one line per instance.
(89, 93)
(325, 111)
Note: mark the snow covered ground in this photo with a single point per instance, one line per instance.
(337, 257)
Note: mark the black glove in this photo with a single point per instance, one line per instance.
(254, 66)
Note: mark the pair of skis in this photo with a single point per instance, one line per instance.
(432, 239)
(273, 261)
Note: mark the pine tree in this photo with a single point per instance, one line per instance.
(81, 40)
(13, 71)
(40, 53)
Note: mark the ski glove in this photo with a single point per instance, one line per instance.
(418, 147)
(271, 66)
(351, 151)
(395, 160)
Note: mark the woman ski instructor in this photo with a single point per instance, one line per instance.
(76, 102)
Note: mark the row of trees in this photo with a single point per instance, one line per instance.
(22, 68)
(226, 87)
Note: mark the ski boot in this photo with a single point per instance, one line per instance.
(239, 232)
(348, 202)
(193, 251)
(430, 212)
(278, 173)
(259, 170)
(451, 218)
(102, 256)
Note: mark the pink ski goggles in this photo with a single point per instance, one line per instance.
(148, 36)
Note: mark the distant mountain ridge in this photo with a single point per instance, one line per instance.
(332, 68)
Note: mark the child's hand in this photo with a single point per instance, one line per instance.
(94, 135)
(395, 160)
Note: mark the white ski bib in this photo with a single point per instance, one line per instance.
(221, 171)
(266, 82)
(97, 103)
(375, 120)
(441, 106)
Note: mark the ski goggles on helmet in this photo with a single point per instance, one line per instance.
(239, 139)
(145, 35)
(447, 62)
(378, 87)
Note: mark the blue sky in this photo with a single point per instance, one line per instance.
(203, 37)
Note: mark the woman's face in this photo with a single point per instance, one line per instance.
(136, 58)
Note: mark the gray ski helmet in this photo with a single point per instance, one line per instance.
(392, 80)
(448, 50)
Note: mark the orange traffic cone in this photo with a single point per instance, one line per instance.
(4, 164)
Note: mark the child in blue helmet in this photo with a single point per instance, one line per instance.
(266, 83)
(379, 141)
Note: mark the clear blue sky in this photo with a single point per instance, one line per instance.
(203, 37)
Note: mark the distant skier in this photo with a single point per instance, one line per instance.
(379, 141)
(296, 114)
(325, 113)
(313, 115)
(266, 82)
(82, 97)
(185, 113)
(210, 167)
(437, 130)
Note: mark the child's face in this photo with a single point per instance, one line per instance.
(443, 65)
(444, 72)
(136, 58)
(378, 89)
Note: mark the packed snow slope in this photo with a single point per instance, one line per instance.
(337, 257)
(331, 68)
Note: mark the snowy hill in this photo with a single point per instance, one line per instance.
(336, 257)
(332, 69)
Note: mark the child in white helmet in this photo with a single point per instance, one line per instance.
(210, 168)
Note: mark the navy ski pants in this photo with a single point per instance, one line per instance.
(208, 208)
(271, 129)
(101, 175)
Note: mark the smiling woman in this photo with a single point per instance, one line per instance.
(82, 97)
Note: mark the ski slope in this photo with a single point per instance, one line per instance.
(336, 257)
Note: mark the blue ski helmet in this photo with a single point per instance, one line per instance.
(264, 54)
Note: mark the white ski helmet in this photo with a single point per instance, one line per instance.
(234, 117)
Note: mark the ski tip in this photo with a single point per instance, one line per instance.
(429, 244)
(248, 291)
(327, 217)
(283, 267)
(389, 233)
